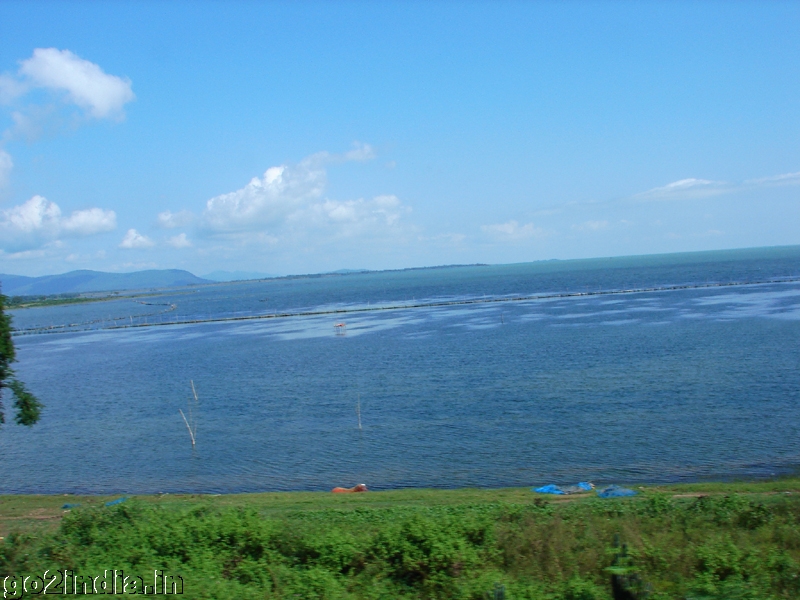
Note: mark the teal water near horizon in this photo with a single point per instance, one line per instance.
(680, 384)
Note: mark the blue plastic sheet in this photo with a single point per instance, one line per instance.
(68, 506)
(615, 491)
(568, 489)
(117, 501)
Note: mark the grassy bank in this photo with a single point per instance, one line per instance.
(37, 301)
(738, 540)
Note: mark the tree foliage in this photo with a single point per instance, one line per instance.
(26, 405)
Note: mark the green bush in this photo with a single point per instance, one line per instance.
(728, 547)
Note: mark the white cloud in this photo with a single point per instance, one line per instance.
(38, 221)
(80, 82)
(269, 200)
(591, 226)
(170, 220)
(6, 164)
(85, 83)
(784, 179)
(179, 241)
(37, 214)
(512, 230)
(703, 188)
(685, 184)
(134, 239)
(685, 188)
(290, 198)
(90, 221)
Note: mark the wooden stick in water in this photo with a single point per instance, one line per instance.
(191, 433)
(196, 402)
(191, 422)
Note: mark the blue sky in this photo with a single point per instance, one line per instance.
(305, 137)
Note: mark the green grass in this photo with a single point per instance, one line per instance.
(717, 540)
(16, 302)
(37, 301)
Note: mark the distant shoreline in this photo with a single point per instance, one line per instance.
(397, 306)
(161, 279)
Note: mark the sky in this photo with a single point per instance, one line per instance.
(302, 137)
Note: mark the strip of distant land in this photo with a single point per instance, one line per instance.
(79, 282)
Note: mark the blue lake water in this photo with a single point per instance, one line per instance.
(682, 384)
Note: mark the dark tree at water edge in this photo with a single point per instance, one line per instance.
(26, 404)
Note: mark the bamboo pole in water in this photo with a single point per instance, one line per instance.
(191, 422)
(191, 433)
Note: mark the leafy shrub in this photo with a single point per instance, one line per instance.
(713, 547)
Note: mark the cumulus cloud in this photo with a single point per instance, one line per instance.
(269, 200)
(39, 221)
(292, 197)
(512, 230)
(37, 214)
(179, 241)
(85, 83)
(135, 240)
(90, 221)
(171, 220)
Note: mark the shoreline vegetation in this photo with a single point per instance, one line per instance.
(737, 540)
(16, 302)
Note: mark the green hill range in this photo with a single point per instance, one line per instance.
(76, 282)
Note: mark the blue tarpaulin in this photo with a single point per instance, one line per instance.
(614, 491)
(568, 489)
(117, 501)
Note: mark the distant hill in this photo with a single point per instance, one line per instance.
(76, 282)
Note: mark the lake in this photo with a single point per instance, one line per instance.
(486, 376)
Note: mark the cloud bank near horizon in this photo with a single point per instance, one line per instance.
(288, 205)
(39, 222)
(289, 211)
